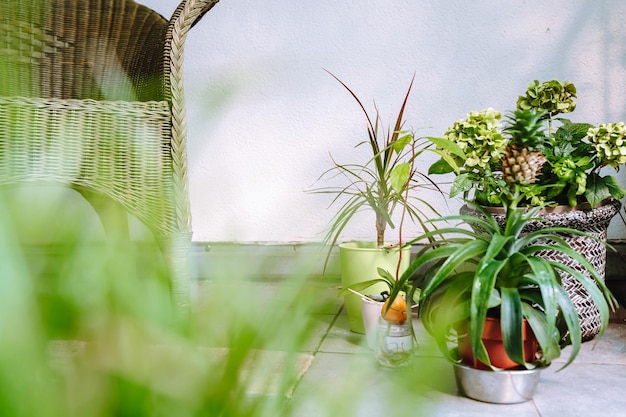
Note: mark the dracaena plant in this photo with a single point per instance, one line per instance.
(480, 269)
(386, 183)
(480, 150)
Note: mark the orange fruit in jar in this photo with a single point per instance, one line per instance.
(397, 311)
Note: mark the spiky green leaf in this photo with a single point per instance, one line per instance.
(511, 323)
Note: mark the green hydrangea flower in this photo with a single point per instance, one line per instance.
(479, 137)
(609, 141)
(552, 97)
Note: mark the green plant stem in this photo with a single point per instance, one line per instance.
(550, 125)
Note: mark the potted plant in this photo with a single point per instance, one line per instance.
(387, 321)
(387, 184)
(567, 162)
(476, 148)
(479, 273)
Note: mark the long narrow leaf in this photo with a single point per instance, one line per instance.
(455, 259)
(511, 323)
(481, 292)
(360, 286)
(566, 250)
(443, 252)
(593, 291)
(544, 276)
(570, 315)
(545, 335)
(496, 246)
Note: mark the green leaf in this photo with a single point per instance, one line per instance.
(450, 159)
(483, 285)
(545, 337)
(448, 146)
(431, 256)
(584, 161)
(400, 177)
(385, 274)
(545, 277)
(614, 188)
(360, 286)
(461, 184)
(496, 246)
(570, 315)
(511, 324)
(457, 258)
(483, 356)
(576, 130)
(597, 189)
(401, 142)
(448, 305)
(440, 167)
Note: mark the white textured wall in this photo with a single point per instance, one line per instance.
(263, 114)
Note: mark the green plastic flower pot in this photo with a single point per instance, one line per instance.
(360, 262)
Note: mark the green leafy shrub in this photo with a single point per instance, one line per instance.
(574, 153)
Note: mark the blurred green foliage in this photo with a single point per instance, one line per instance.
(89, 330)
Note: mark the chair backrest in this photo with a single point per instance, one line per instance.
(98, 49)
(92, 96)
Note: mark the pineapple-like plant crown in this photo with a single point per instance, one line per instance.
(525, 128)
(560, 165)
(523, 158)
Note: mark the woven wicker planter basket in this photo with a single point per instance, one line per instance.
(592, 221)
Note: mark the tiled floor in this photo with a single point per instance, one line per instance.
(593, 385)
(345, 380)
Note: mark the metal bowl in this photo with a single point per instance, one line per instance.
(500, 387)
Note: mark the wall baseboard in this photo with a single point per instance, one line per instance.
(276, 262)
(280, 261)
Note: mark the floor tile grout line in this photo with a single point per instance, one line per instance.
(327, 332)
(317, 348)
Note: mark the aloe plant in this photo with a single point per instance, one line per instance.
(479, 269)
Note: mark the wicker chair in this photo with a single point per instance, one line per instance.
(91, 97)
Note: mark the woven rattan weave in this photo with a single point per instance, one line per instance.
(91, 96)
(595, 222)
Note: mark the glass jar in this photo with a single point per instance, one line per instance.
(396, 343)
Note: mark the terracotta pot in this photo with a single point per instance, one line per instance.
(492, 338)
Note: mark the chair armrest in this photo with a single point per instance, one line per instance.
(186, 15)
